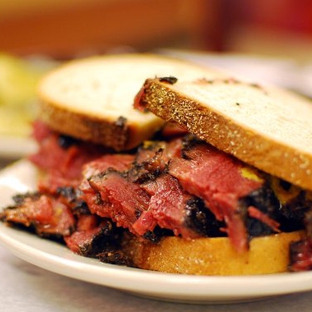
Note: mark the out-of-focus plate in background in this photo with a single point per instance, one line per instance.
(13, 147)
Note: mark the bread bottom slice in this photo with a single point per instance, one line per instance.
(213, 256)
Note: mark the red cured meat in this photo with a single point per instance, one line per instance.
(47, 214)
(166, 207)
(216, 178)
(117, 198)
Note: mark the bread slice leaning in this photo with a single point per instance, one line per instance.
(265, 127)
(213, 256)
(92, 98)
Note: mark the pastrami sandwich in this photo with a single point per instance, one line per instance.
(204, 175)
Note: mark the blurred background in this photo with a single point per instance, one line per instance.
(267, 40)
(67, 28)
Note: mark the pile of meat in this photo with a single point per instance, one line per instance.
(89, 196)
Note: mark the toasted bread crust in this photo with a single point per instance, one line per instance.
(213, 256)
(251, 145)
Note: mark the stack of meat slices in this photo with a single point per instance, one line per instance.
(174, 186)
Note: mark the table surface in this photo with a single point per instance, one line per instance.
(25, 287)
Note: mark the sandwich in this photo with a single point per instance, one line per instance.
(165, 165)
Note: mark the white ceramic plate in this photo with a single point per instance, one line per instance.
(21, 177)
